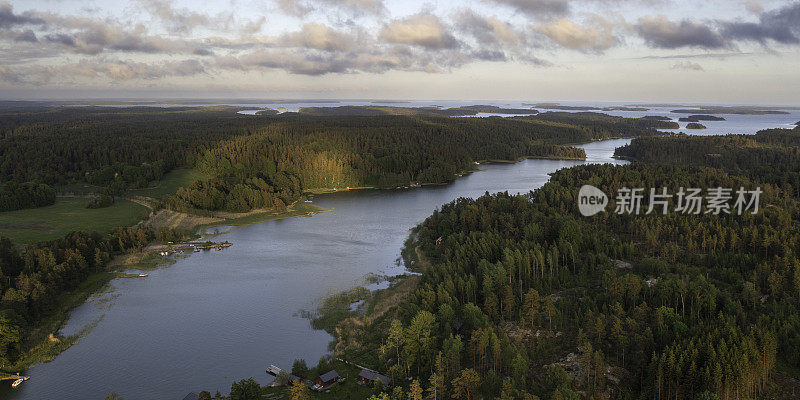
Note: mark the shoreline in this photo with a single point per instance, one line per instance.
(43, 349)
(46, 341)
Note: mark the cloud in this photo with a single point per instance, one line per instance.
(9, 19)
(300, 8)
(7, 75)
(662, 33)
(374, 7)
(294, 7)
(781, 25)
(754, 6)
(537, 8)
(183, 20)
(202, 52)
(596, 38)
(96, 38)
(121, 70)
(115, 70)
(422, 29)
(320, 37)
(687, 66)
(486, 30)
(26, 36)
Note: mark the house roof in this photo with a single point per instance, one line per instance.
(191, 396)
(329, 376)
(293, 378)
(372, 375)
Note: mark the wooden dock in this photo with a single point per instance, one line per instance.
(273, 370)
(5, 377)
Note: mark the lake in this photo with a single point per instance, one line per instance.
(218, 316)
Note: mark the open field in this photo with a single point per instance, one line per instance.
(67, 215)
(171, 182)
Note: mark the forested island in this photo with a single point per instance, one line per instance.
(741, 110)
(695, 125)
(698, 118)
(206, 162)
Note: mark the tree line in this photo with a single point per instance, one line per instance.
(542, 302)
(259, 161)
(17, 196)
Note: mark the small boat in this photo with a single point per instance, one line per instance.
(17, 382)
(142, 275)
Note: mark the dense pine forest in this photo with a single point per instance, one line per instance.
(267, 161)
(262, 161)
(521, 297)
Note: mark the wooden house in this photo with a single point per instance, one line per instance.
(325, 380)
(368, 377)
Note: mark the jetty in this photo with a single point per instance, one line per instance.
(273, 370)
(193, 247)
(17, 378)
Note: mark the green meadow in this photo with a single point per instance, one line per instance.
(67, 215)
(173, 180)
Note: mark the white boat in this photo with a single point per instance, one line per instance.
(17, 382)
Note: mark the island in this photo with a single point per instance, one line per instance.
(657, 117)
(700, 117)
(741, 110)
(695, 125)
(418, 111)
(558, 106)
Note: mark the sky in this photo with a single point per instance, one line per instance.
(710, 51)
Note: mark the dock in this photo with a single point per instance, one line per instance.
(9, 377)
(18, 379)
(273, 370)
(193, 247)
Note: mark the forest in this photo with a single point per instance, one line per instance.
(521, 297)
(253, 162)
(33, 280)
(18, 196)
(267, 161)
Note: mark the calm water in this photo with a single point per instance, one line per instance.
(215, 317)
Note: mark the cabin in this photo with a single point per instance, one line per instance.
(368, 377)
(326, 380)
(294, 379)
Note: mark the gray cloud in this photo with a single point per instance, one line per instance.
(300, 8)
(26, 36)
(487, 30)
(422, 29)
(183, 20)
(9, 19)
(662, 33)
(687, 66)
(781, 25)
(537, 8)
(202, 52)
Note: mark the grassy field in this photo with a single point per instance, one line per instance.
(171, 182)
(67, 215)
